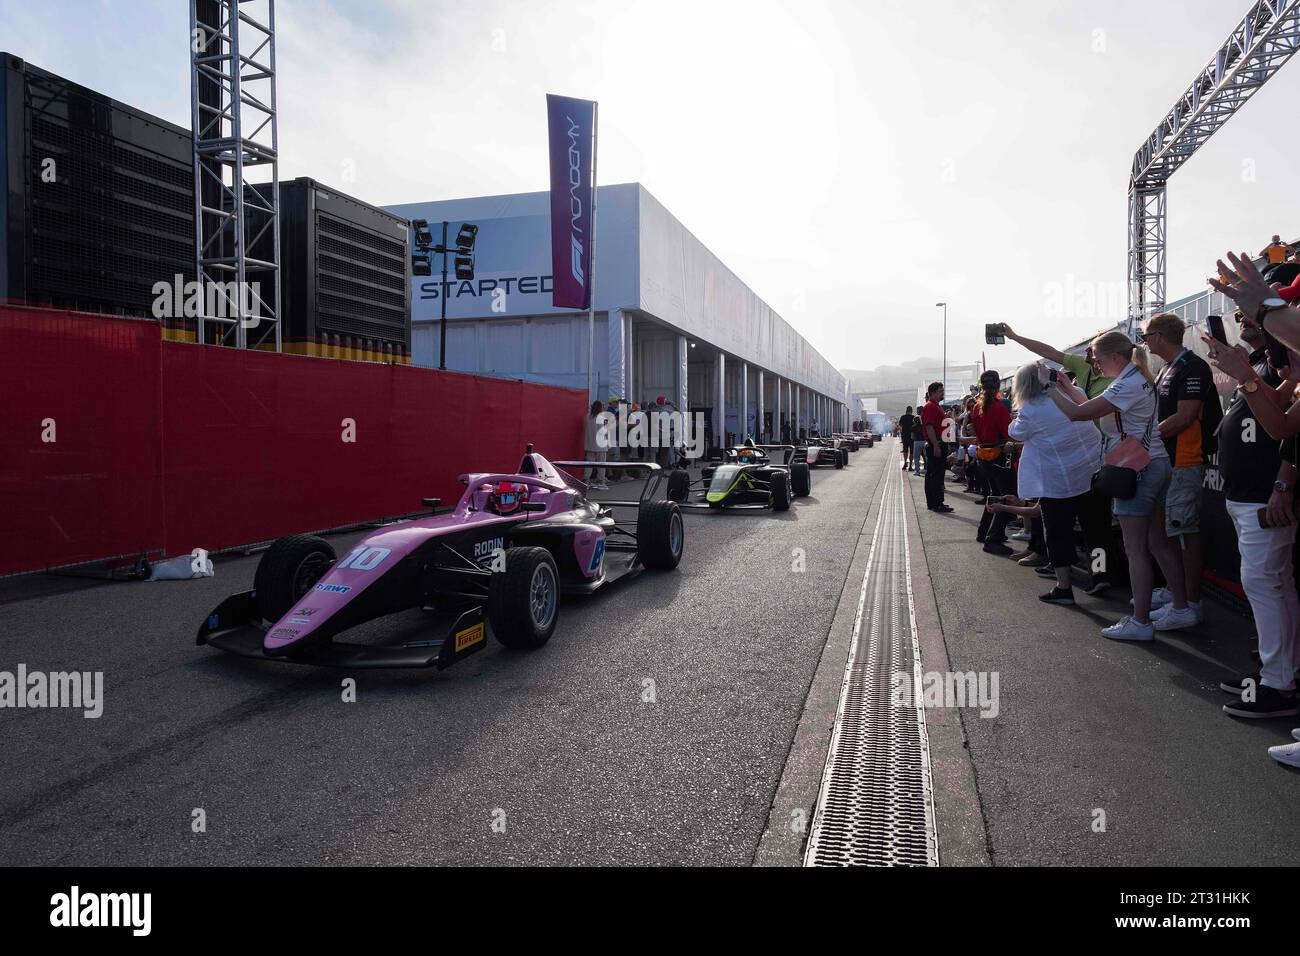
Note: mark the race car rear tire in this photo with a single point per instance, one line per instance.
(800, 480)
(679, 485)
(289, 569)
(523, 604)
(660, 535)
(781, 491)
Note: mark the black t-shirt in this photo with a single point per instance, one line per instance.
(1249, 468)
(907, 427)
(1188, 378)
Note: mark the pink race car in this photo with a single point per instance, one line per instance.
(502, 557)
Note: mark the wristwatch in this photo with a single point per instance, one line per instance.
(1250, 387)
(1269, 305)
(1281, 487)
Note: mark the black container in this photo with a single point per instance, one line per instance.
(346, 269)
(111, 217)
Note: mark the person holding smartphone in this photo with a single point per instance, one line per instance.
(1257, 464)
(1128, 408)
(1055, 468)
(1095, 512)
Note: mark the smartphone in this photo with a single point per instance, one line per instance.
(1277, 353)
(993, 334)
(1217, 331)
(1051, 378)
(1263, 521)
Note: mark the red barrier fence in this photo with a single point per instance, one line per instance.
(114, 442)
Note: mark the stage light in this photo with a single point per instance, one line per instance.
(465, 238)
(464, 267)
(421, 264)
(423, 237)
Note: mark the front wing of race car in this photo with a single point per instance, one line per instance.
(235, 626)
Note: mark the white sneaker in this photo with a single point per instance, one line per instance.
(1128, 629)
(1171, 618)
(599, 486)
(1020, 536)
(1288, 754)
(1194, 606)
(1296, 733)
(1159, 598)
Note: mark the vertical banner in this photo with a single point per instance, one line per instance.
(573, 145)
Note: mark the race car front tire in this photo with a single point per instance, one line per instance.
(839, 458)
(289, 569)
(660, 535)
(523, 602)
(781, 491)
(800, 480)
(679, 485)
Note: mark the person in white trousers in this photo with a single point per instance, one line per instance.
(591, 441)
(1259, 486)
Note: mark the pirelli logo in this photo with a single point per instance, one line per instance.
(469, 637)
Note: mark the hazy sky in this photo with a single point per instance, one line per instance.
(853, 162)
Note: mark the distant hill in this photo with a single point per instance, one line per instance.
(885, 377)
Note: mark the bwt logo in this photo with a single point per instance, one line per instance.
(575, 203)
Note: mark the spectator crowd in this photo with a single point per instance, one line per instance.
(1109, 450)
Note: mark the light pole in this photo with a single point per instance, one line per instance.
(422, 265)
(944, 306)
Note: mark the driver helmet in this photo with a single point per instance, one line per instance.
(507, 497)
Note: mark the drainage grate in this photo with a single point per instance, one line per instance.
(876, 806)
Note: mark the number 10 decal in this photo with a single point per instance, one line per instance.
(365, 559)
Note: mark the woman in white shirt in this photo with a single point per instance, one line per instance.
(1131, 398)
(1056, 467)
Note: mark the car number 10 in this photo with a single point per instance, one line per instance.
(365, 559)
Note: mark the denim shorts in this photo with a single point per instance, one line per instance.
(1153, 484)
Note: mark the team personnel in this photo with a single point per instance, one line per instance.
(935, 447)
(991, 420)
(1189, 413)
(906, 426)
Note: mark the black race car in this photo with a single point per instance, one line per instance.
(746, 476)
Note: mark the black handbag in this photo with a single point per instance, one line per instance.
(1117, 481)
(1113, 481)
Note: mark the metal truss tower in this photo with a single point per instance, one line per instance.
(236, 221)
(1256, 49)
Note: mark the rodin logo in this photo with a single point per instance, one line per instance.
(575, 202)
(485, 549)
(73, 909)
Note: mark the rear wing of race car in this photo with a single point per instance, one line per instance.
(787, 449)
(653, 480)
